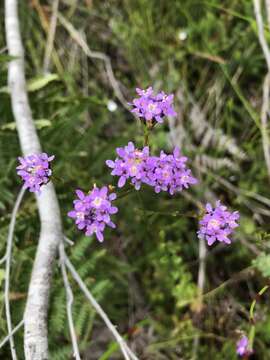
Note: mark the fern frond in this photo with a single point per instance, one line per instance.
(208, 135)
(214, 163)
(62, 352)
(83, 313)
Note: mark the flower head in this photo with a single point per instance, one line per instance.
(164, 172)
(153, 108)
(242, 347)
(35, 170)
(131, 164)
(92, 211)
(169, 172)
(217, 224)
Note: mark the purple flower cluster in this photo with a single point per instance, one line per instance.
(242, 347)
(92, 211)
(153, 108)
(132, 163)
(35, 170)
(166, 172)
(163, 172)
(217, 224)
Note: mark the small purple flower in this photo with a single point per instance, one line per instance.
(242, 347)
(92, 211)
(153, 108)
(130, 164)
(164, 172)
(217, 224)
(169, 173)
(35, 171)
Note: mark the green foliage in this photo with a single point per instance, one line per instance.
(262, 263)
(170, 279)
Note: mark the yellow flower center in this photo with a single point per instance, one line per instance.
(34, 169)
(214, 222)
(152, 107)
(97, 201)
(133, 170)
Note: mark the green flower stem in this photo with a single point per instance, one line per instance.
(146, 136)
(252, 306)
(251, 316)
(251, 337)
(171, 213)
(124, 194)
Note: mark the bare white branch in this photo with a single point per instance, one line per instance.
(7, 271)
(264, 115)
(201, 274)
(35, 316)
(68, 241)
(267, 6)
(69, 293)
(4, 258)
(266, 84)
(259, 20)
(201, 285)
(127, 353)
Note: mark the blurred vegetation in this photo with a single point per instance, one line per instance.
(145, 274)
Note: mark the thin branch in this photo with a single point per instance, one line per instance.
(264, 114)
(4, 258)
(7, 338)
(50, 38)
(266, 84)
(36, 311)
(176, 131)
(267, 6)
(69, 293)
(46, 27)
(259, 20)
(201, 284)
(128, 354)
(201, 274)
(77, 36)
(7, 272)
(68, 241)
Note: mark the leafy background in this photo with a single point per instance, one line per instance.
(145, 274)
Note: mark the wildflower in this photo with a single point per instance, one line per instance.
(217, 224)
(35, 171)
(130, 164)
(169, 173)
(164, 172)
(242, 347)
(153, 108)
(92, 211)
